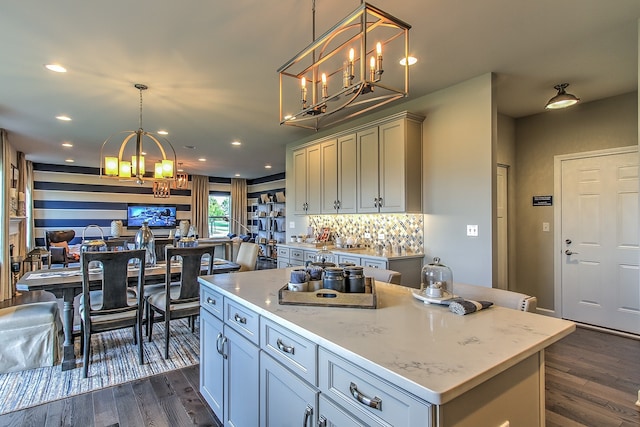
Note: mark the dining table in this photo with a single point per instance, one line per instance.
(66, 283)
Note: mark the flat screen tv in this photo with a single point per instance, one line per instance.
(157, 216)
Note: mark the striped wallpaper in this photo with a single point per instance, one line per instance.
(72, 197)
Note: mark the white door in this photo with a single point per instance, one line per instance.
(599, 251)
(501, 211)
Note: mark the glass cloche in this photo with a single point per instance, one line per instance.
(437, 281)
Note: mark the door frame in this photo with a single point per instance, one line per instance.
(557, 215)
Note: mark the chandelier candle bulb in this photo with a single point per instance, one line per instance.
(379, 52)
(372, 74)
(303, 84)
(351, 58)
(324, 86)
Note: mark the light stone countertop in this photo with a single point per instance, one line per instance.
(424, 349)
(362, 252)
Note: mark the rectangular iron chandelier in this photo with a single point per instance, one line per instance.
(340, 74)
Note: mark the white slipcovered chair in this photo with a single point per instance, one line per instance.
(31, 336)
(247, 256)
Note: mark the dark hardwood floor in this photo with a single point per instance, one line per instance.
(592, 379)
(165, 400)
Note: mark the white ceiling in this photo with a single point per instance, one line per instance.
(211, 66)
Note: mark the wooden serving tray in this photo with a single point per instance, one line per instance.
(329, 298)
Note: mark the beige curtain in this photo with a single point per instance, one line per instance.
(6, 287)
(28, 199)
(200, 205)
(239, 206)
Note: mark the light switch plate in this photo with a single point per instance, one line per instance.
(545, 226)
(367, 235)
(472, 230)
(292, 224)
(380, 236)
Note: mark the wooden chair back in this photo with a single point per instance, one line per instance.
(191, 268)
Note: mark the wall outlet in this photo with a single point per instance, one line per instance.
(472, 230)
(367, 235)
(380, 236)
(292, 224)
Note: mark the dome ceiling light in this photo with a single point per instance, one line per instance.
(562, 99)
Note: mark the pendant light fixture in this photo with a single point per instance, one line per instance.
(114, 165)
(562, 99)
(340, 74)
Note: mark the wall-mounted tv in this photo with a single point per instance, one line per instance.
(157, 216)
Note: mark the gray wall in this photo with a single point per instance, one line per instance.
(612, 122)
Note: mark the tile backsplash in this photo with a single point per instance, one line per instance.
(398, 229)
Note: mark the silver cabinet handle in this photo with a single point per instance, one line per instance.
(211, 301)
(308, 412)
(218, 349)
(374, 402)
(286, 348)
(375, 202)
(239, 319)
(322, 421)
(380, 202)
(569, 252)
(220, 342)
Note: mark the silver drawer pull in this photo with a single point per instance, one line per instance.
(211, 301)
(286, 348)
(239, 319)
(374, 402)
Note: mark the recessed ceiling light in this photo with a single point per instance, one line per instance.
(163, 132)
(237, 174)
(202, 159)
(69, 160)
(67, 144)
(236, 143)
(267, 166)
(412, 60)
(64, 118)
(144, 153)
(56, 68)
(190, 147)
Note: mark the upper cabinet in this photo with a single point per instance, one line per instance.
(375, 168)
(339, 184)
(389, 167)
(306, 180)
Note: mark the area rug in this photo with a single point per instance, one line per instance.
(113, 360)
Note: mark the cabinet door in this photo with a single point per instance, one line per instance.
(329, 159)
(347, 180)
(314, 180)
(241, 380)
(211, 362)
(367, 170)
(285, 399)
(392, 172)
(300, 181)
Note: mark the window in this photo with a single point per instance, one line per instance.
(219, 212)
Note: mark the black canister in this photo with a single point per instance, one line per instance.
(333, 279)
(355, 279)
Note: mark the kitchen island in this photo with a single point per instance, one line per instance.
(404, 363)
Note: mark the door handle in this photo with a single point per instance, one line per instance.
(569, 252)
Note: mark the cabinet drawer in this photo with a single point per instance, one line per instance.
(349, 258)
(352, 387)
(211, 301)
(296, 254)
(310, 255)
(292, 350)
(375, 263)
(283, 252)
(246, 322)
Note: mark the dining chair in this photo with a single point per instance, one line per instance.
(179, 299)
(160, 244)
(57, 243)
(114, 306)
(247, 256)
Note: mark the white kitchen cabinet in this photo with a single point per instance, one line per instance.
(389, 166)
(286, 400)
(229, 373)
(332, 415)
(307, 180)
(339, 185)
